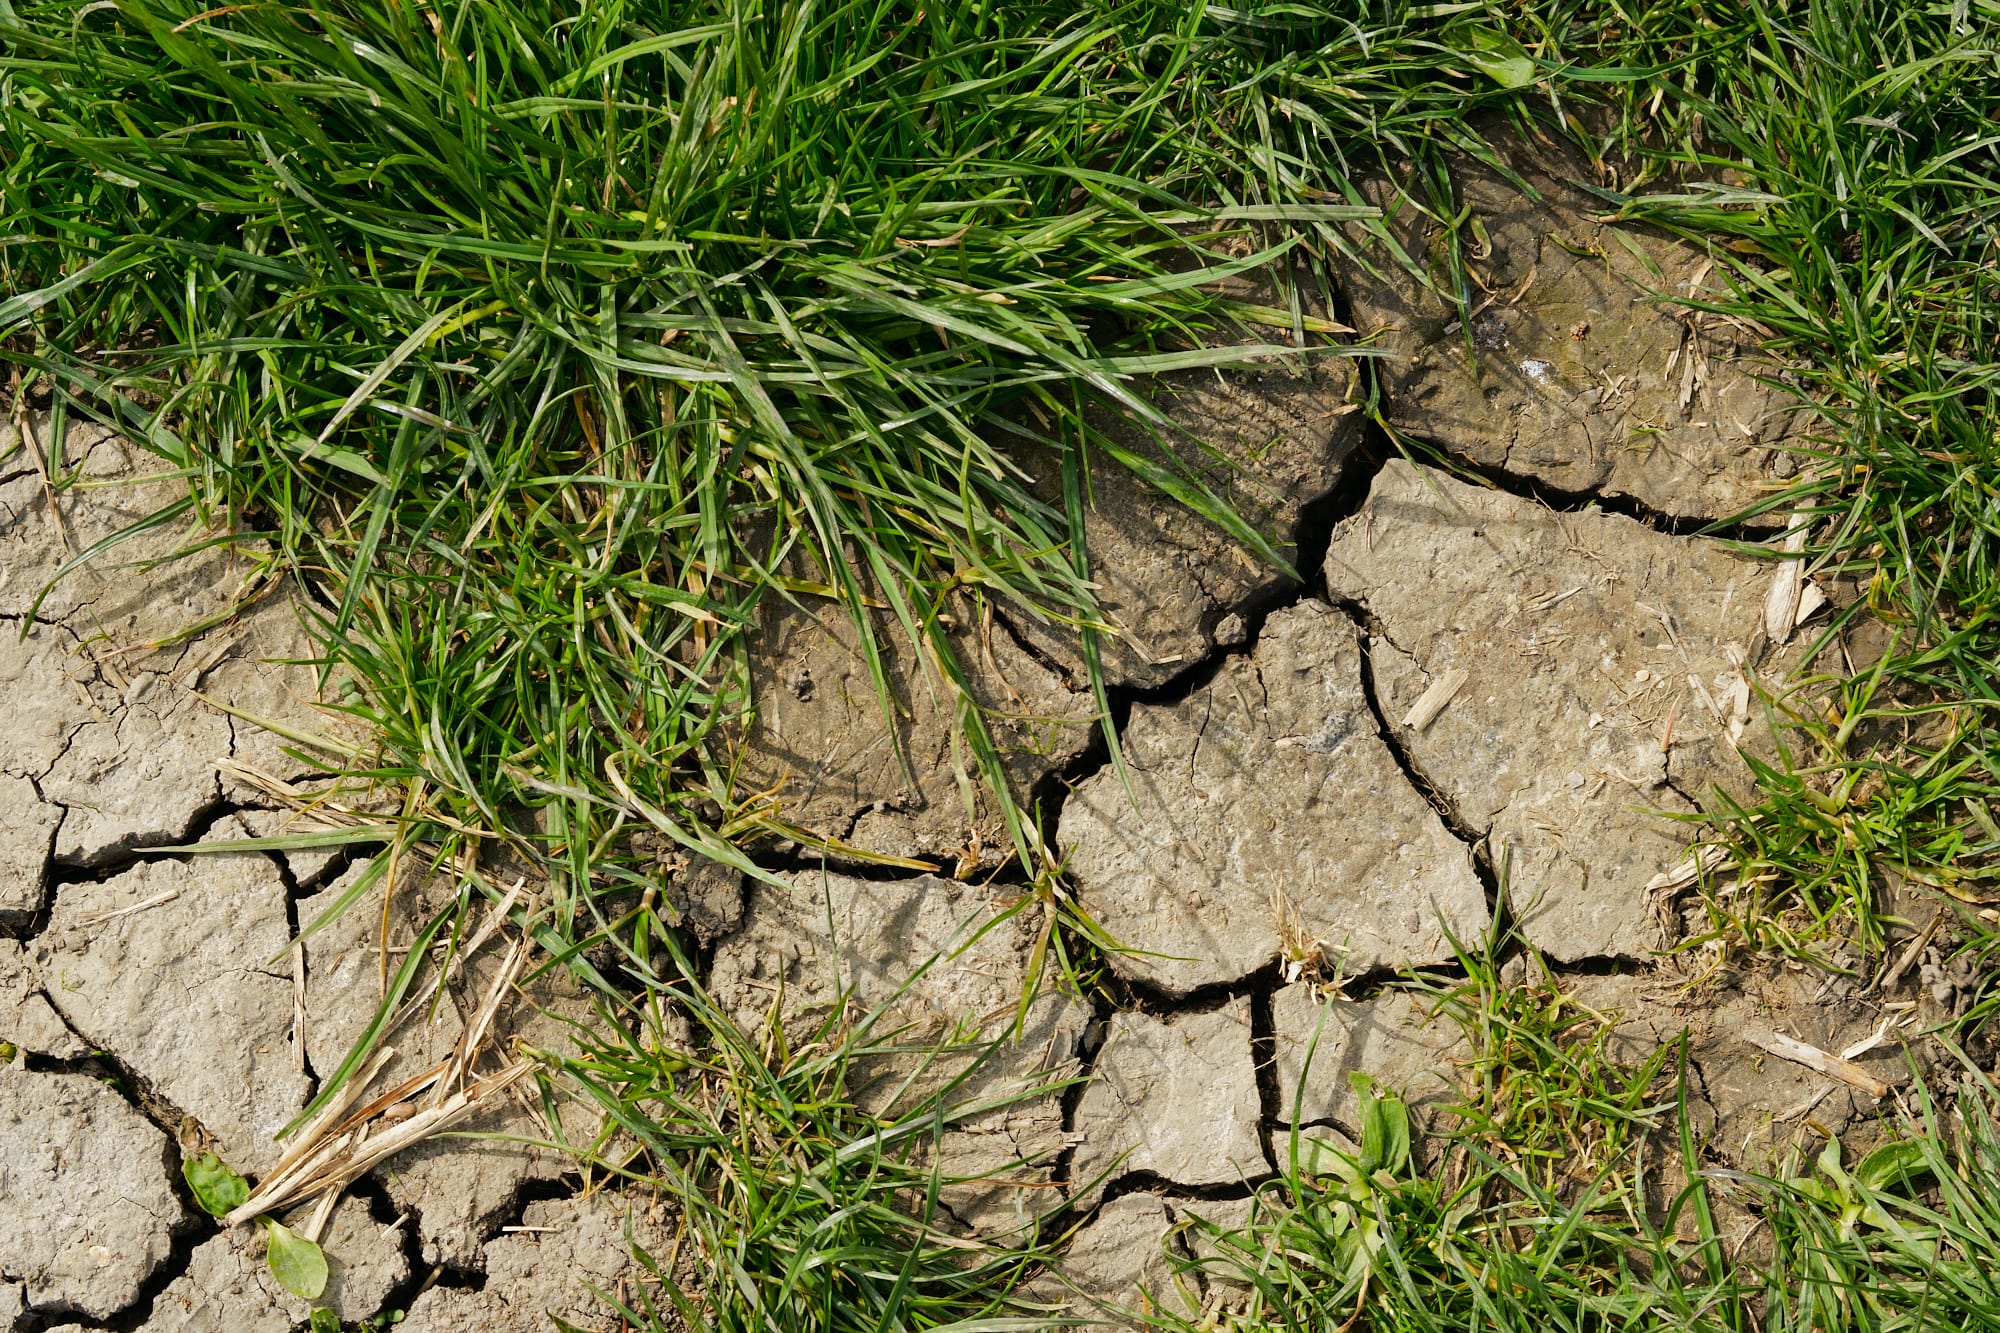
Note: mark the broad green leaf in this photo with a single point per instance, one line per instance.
(297, 1263)
(1829, 1165)
(1890, 1163)
(1385, 1128)
(1319, 1155)
(1496, 55)
(322, 1320)
(217, 1188)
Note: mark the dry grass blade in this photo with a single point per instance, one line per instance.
(1435, 699)
(354, 1149)
(338, 1146)
(1781, 604)
(1820, 1062)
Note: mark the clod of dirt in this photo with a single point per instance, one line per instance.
(91, 1208)
(548, 1266)
(707, 895)
(1270, 820)
(1575, 375)
(459, 1188)
(1394, 1038)
(830, 757)
(1176, 1098)
(102, 691)
(27, 1020)
(1118, 1262)
(832, 938)
(180, 967)
(27, 836)
(228, 1287)
(1268, 441)
(1611, 671)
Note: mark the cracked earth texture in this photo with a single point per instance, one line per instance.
(1292, 820)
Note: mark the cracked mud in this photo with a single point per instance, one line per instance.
(1305, 817)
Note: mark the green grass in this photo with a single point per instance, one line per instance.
(1901, 1239)
(1566, 1189)
(1849, 153)
(554, 346)
(805, 1166)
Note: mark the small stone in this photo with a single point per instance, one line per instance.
(209, 933)
(1173, 1098)
(90, 1205)
(1270, 821)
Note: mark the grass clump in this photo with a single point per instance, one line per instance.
(1492, 1226)
(806, 1168)
(1901, 1240)
(556, 345)
(1544, 1088)
(1843, 152)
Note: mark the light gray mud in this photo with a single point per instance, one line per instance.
(1295, 834)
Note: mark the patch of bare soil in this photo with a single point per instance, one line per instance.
(1479, 703)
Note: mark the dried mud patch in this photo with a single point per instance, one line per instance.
(1482, 706)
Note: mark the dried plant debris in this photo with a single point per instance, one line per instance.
(443, 1067)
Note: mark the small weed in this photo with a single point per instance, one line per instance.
(805, 1168)
(1500, 1235)
(1542, 1089)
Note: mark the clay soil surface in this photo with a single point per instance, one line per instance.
(1508, 662)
